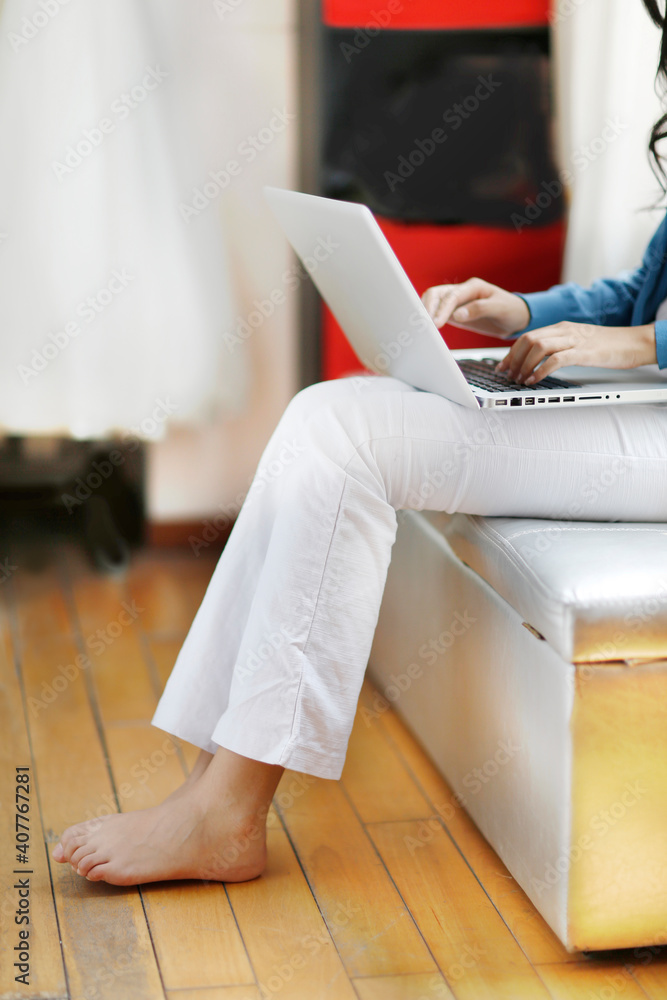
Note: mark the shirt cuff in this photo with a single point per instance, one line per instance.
(546, 309)
(661, 342)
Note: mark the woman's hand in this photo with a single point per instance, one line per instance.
(539, 353)
(476, 305)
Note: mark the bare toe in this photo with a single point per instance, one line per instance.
(97, 872)
(71, 845)
(80, 853)
(90, 861)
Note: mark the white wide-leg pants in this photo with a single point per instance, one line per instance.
(275, 658)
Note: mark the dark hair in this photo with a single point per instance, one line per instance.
(659, 130)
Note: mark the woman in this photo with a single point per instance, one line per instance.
(270, 672)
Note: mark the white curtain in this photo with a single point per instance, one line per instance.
(112, 304)
(605, 58)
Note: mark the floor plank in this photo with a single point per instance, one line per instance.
(531, 931)
(419, 987)
(217, 993)
(475, 950)
(170, 589)
(376, 779)
(110, 623)
(41, 606)
(104, 932)
(196, 937)
(365, 915)
(47, 973)
(291, 950)
(98, 598)
(591, 980)
(108, 951)
(146, 765)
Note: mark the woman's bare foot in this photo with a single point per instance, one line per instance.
(215, 829)
(202, 762)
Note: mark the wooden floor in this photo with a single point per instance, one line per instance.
(368, 893)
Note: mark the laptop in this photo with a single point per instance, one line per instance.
(357, 273)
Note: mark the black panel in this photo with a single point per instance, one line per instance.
(488, 94)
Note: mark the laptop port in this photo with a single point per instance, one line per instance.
(568, 399)
(529, 401)
(541, 399)
(590, 397)
(515, 401)
(554, 399)
(501, 402)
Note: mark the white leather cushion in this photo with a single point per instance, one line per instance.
(596, 591)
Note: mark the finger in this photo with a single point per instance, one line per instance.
(534, 359)
(452, 297)
(446, 305)
(514, 362)
(514, 358)
(560, 359)
(476, 309)
(435, 298)
(431, 297)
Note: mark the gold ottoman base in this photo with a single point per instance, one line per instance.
(577, 810)
(618, 873)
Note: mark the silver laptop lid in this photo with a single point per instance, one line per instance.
(357, 273)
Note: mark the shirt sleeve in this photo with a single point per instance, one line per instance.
(608, 302)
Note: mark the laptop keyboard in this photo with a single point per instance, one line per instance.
(481, 375)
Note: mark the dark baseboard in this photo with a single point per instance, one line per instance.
(193, 535)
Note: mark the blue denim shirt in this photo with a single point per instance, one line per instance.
(629, 300)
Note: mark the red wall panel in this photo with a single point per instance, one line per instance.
(528, 261)
(434, 14)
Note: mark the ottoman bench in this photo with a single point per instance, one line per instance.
(530, 659)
